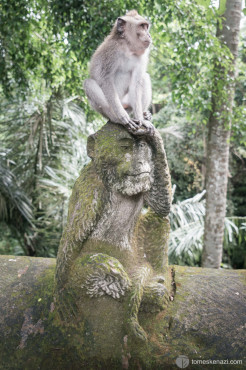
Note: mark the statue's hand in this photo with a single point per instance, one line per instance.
(155, 296)
(105, 276)
(137, 330)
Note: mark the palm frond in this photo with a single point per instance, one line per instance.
(186, 239)
(173, 130)
(12, 197)
(188, 211)
(187, 230)
(230, 230)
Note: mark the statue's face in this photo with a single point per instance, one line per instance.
(123, 160)
(134, 167)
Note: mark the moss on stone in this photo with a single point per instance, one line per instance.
(205, 320)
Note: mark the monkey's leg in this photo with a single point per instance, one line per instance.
(97, 99)
(146, 92)
(99, 102)
(141, 95)
(146, 97)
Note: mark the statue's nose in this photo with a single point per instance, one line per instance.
(140, 161)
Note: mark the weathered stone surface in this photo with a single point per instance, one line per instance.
(206, 320)
(112, 302)
(112, 246)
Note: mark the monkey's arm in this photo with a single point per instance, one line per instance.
(85, 207)
(159, 196)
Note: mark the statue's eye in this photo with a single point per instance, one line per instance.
(125, 147)
(142, 144)
(126, 144)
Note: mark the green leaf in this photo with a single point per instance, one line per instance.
(222, 7)
(205, 3)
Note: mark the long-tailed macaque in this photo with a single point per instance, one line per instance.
(118, 83)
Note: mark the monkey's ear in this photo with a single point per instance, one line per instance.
(121, 25)
(91, 146)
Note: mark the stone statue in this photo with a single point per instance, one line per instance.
(114, 247)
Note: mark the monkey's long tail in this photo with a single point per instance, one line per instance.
(139, 281)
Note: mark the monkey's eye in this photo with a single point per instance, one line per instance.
(144, 26)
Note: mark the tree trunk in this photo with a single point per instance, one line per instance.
(205, 322)
(218, 138)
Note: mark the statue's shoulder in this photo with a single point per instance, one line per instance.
(89, 193)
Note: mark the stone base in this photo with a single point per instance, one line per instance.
(205, 321)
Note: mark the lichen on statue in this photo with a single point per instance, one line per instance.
(111, 248)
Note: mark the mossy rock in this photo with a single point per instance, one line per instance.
(205, 321)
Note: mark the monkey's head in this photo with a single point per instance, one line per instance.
(123, 161)
(135, 30)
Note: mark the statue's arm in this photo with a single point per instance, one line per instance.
(85, 206)
(159, 197)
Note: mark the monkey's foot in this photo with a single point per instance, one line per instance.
(145, 128)
(156, 296)
(137, 330)
(133, 126)
(147, 115)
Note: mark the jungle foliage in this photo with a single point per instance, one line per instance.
(45, 47)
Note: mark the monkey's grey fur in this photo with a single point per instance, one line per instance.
(118, 82)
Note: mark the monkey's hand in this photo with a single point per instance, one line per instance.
(147, 115)
(145, 128)
(131, 124)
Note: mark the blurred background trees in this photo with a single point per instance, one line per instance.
(45, 47)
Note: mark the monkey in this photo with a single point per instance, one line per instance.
(119, 85)
(108, 247)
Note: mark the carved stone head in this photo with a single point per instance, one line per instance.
(122, 160)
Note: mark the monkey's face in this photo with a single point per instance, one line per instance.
(123, 161)
(135, 29)
(138, 36)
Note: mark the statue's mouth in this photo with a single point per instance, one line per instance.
(140, 173)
